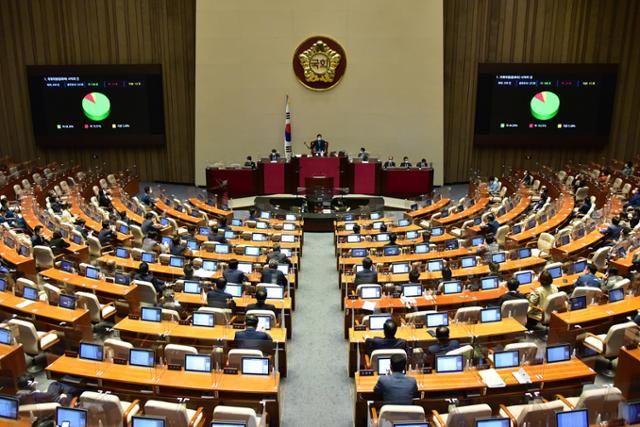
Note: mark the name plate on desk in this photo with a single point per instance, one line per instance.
(183, 322)
(366, 372)
(230, 371)
(174, 367)
(238, 326)
(70, 353)
(117, 361)
(352, 297)
(418, 325)
(427, 370)
(360, 327)
(134, 317)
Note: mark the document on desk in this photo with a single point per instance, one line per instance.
(369, 305)
(522, 377)
(24, 304)
(491, 378)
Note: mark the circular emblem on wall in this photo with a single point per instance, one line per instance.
(319, 63)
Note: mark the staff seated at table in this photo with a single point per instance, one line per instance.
(584, 207)
(249, 163)
(447, 274)
(589, 278)
(145, 275)
(443, 345)
(232, 274)
(252, 338)
(512, 293)
(405, 162)
(217, 297)
(389, 163)
(260, 304)
(271, 274)
(367, 274)
(537, 299)
(396, 388)
(422, 164)
(278, 255)
(388, 342)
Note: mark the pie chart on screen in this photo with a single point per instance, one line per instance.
(545, 105)
(96, 106)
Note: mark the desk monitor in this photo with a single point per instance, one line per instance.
(558, 353)
(531, 223)
(491, 314)
(575, 418)
(416, 424)
(287, 238)
(400, 268)
(255, 366)
(9, 242)
(376, 225)
(403, 222)
(437, 231)
(422, 248)
(192, 287)
(92, 273)
(197, 363)
(176, 261)
(66, 265)
(236, 222)
(201, 318)
(564, 240)
(290, 217)
(434, 265)
(578, 303)
(209, 265)
(382, 237)
(616, 295)
(259, 237)
(524, 277)
(579, 266)
(499, 257)
(477, 241)
(489, 282)
(221, 249)
(264, 322)
(375, 215)
(67, 301)
(234, 289)
(451, 244)
(287, 251)
(284, 268)
(349, 226)
(265, 215)
(411, 290)
(631, 412)
(75, 238)
(260, 225)
(122, 278)
(252, 250)
(524, 253)
(148, 257)
(452, 287)
(193, 244)
(164, 221)
(124, 229)
(446, 364)
(274, 292)
(392, 251)
(477, 220)
(23, 250)
(9, 407)
(179, 208)
(376, 321)
(142, 357)
(494, 422)
(555, 272)
(229, 234)
(5, 336)
(71, 417)
(580, 232)
(204, 231)
(227, 424)
(506, 359)
(437, 319)
(516, 229)
(167, 241)
(353, 238)
(370, 292)
(245, 267)
(140, 421)
(151, 314)
(348, 217)
(358, 253)
(359, 268)
(384, 365)
(3, 285)
(468, 262)
(30, 293)
(410, 235)
(90, 351)
(122, 253)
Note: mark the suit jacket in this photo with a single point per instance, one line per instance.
(106, 236)
(274, 156)
(366, 276)
(510, 296)
(379, 343)
(58, 245)
(253, 339)
(396, 389)
(405, 164)
(258, 306)
(38, 241)
(147, 226)
(273, 276)
(319, 146)
(282, 258)
(389, 164)
(217, 298)
(441, 349)
(234, 276)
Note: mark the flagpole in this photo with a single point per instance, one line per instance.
(287, 130)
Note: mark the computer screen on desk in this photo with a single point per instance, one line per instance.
(411, 291)
(275, 292)
(403, 222)
(400, 267)
(142, 357)
(468, 262)
(579, 266)
(30, 293)
(151, 314)
(140, 421)
(494, 422)
(90, 351)
(576, 418)
(122, 253)
(524, 277)
(227, 424)
(384, 365)
(259, 237)
(558, 353)
(71, 417)
(92, 273)
(491, 314)
(255, 366)
(5, 336)
(202, 319)
(437, 231)
(499, 257)
(410, 235)
(453, 287)
(8, 407)
(370, 292)
(252, 250)
(376, 322)
(446, 364)
(616, 295)
(245, 267)
(234, 289)
(477, 241)
(631, 412)
(391, 251)
(418, 424)
(524, 253)
(435, 265)
(358, 253)
(555, 272)
(377, 225)
(349, 226)
(209, 265)
(221, 249)
(578, 303)
(422, 248)
(197, 363)
(122, 278)
(437, 319)
(176, 261)
(260, 225)
(264, 322)
(382, 237)
(506, 359)
(148, 257)
(490, 282)
(288, 238)
(67, 301)
(191, 287)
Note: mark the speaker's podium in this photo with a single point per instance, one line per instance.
(329, 167)
(319, 192)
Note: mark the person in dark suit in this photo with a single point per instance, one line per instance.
(57, 243)
(389, 163)
(145, 275)
(274, 155)
(405, 163)
(396, 388)
(252, 338)
(584, 207)
(273, 275)
(367, 274)
(178, 248)
(146, 196)
(363, 155)
(260, 304)
(393, 237)
(79, 227)
(492, 225)
(215, 236)
(276, 254)
(232, 274)
(106, 235)
(613, 231)
(513, 293)
(388, 342)
(589, 278)
(38, 239)
(217, 297)
(103, 200)
(319, 146)
(148, 224)
(444, 344)
(249, 163)
(422, 164)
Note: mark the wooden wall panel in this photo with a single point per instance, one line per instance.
(572, 31)
(46, 32)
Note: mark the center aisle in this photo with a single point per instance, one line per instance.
(317, 390)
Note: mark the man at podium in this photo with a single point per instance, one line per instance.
(319, 146)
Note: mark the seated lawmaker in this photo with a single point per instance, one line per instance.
(216, 236)
(178, 248)
(634, 200)
(145, 275)
(537, 299)
(492, 225)
(589, 278)
(57, 243)
(260, 304)
(278, 255)
(613, 231)
(148, 225)
(444, 344)
(217, 297)
(513, 293)
(272, 275)
(396, 388)
(388, 342)
(584, 207)
(251, 338)
(106, 234)
(393, 238)
(146, 197)
(367, 274)
(232, 274)
(38, 238)
(249, 163)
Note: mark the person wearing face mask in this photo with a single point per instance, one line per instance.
(319, 146)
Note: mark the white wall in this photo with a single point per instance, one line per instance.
(390, 99)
